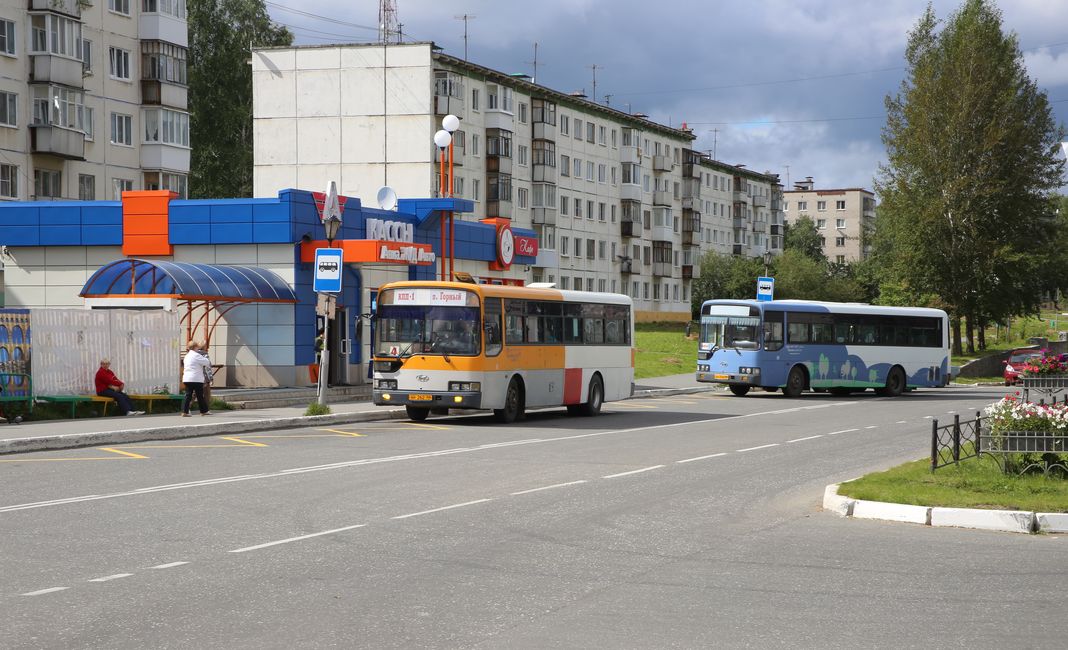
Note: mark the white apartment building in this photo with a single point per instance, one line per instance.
(619, 203)
(843, 217)
(93, 98)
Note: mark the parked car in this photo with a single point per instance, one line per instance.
(1014, 364)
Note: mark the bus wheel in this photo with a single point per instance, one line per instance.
(513, 404)
(595, 399)
(895, 383)
(795, 383)
(417, 413)
(739, 389)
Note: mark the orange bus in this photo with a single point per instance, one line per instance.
(454, 345)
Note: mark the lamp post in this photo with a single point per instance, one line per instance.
(450, 123)
(331, 224)
(767, 262)
(443, 140)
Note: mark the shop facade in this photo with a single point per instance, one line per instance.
(239, 272)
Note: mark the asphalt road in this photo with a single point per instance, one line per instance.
(690, 521)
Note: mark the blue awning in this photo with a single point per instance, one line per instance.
(186, 281)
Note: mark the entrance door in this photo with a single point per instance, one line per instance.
(339, 348)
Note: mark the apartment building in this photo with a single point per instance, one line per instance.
(843, 218)
(93, 98)
(618, 201)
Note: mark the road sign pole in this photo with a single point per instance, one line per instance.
(324, 360)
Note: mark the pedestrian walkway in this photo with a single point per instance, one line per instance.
(88, 432)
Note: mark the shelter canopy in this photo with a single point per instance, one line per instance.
(187, 281)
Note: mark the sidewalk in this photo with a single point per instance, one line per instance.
(90, 432)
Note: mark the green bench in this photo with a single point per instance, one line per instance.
(75, 400)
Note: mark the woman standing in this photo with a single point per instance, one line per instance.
(195, 371)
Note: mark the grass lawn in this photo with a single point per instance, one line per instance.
(663, 349)
(974, 483)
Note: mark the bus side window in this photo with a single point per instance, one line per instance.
(773, 330)
(492, 327)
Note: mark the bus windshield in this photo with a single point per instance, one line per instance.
(733, 327)
(404, 330)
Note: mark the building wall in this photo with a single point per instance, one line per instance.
(842, 228)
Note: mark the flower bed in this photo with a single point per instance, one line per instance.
(1033, 435)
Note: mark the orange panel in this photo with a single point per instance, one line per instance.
(355, 251)
(146, 223)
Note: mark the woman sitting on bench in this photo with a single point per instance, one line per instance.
(108, 385)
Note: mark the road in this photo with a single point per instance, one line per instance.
(689, 521)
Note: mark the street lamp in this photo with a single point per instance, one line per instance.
(332, 224)
(767, 261)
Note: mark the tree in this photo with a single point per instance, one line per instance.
(220, 92)
(803, 237)
(972, 163)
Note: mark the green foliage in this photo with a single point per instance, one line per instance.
(220, 92)
(315, 408)
(220, 405)
(803, 237)
(662, 349)
(972, 164)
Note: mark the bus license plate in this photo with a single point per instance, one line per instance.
(418, 397)
(723, 376)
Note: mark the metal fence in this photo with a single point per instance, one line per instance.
(955, 442)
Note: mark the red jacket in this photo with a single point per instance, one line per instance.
(105, 379)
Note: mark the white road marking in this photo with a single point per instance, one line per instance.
(900, 422)
(427, 512)
(835, 433)
(927, 417)
(295, 539)
(633, 471)
(547, 487)
(114, 577)
(951, 412)
(390, 459)
(804, 439)
(690, 460)
(774, 444)
(42, 592)
(168, 566)
(872, 427)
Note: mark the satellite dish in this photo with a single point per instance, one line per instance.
(387, 198)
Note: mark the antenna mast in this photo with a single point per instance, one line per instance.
(594, 67)
(465, 18)
(387, 21)
(534, 79)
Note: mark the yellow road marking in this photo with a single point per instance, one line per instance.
(124, 453)
(244, 442)
(338, 432)
(633, 406)
(57, 460)
(309, 435)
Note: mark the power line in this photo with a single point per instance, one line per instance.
(332, 20)
(824, 119)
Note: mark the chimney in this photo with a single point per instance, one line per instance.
(804, 186)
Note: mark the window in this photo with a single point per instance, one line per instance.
(821, 224)
(476, 189)
(615, 174)
(522, 113)
(474, 144)
(565, 282)
(615, 141)
(166, 126)
(602, 285)
(564, 241)
(563, 205)
(119, 63)
(839, 205)
(578, 129)
(802, 206)
(498, 98)
(55, 34)
(521, 158)
(602, 251)
(120, 185)
(565, 125)
(521, 197)
(631, 174)
(645, 290)
(7, 37)
(591, 249)
(86, 187)
(839, 259)
(821, 206)
(544, 153)
(498, 187)
(9, 181)
(589, 171)
(589, 287)
(498, 143)
(589, 209)
(602, 135)
(578, 209)
(839, 223)
(58, 106)
(591, 129)
(474, 99)
(87, 56)
(773, 332)
(565, 165)
(839, 241)
(174, 8)
(602, 173)
(543, 111)
(9, 103)
(164, 62)
(544, 195)
(121, 129)
(578, 168)
(578, 246)
(119, 6)
(47, 184)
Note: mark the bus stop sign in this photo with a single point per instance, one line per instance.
(765, 289)
(327, 270)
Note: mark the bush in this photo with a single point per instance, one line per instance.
(315, 408)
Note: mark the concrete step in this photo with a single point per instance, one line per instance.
(283, 397)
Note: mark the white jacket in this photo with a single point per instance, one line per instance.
(194, 366)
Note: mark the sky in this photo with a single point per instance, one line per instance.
(792, 87)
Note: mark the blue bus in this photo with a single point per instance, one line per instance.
(798, 345)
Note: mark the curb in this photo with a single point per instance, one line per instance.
(1008, 521)
(75, 440)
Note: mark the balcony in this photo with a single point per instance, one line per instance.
(663, 164)
(776, 229)
(627, 266)
(737, 249)
(661, 233)
(630, 192)
(661, 198)
(687, 271)
(547, 258)
(691, 170)
(630, 155)
(740, 196)
(541, 173)
(67, 7)
(497, 164)
(48, 68)
(161, 93)
(760, 226)
(543, 216)
(739, 223)
(760, 201)
(164, 156)
(690, 238)
(543, 131)
(496, 119)
(499, 209)
(161, 27)
(662, 269)
(691, 188)
(776, 205)
(58, 141)
(630, 228)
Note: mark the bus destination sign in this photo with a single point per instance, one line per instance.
(435, 297)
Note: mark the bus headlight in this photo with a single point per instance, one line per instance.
(465, 386)
(702, 367)
(746, 370)
(385, 396)
(387, 384)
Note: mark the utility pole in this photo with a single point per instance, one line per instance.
(465, 18)
(534, 79)
(594, 68)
